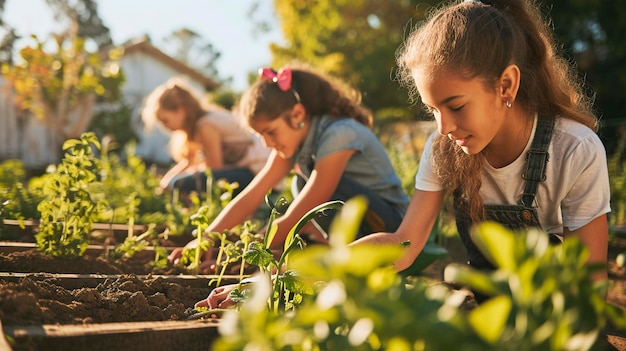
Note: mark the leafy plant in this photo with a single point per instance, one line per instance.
(228, 250)
(286, 290)
(543, 299)
(128, 175)
(18, 200)
(68, 211)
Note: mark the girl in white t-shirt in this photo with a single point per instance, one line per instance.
(502, 98)
(204, 136)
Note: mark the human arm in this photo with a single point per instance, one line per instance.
(178, 168)
(414, 229)
(595, 236)
(318, 189)
(248, 201)
(244, 204)
(586, 202)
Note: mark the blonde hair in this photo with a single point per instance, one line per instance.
(479, 40)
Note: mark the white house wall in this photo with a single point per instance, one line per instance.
(9, 145)
(31, 142)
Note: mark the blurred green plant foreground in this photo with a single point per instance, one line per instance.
(543, 299)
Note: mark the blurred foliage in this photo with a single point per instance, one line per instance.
(224, 97)
(617, 176)
(191, 48)
(51, 84)
(592, 36)
(356, 41)
(85, 14)
(352, 40)
(107, 121)
(16, 201)
(351, 298)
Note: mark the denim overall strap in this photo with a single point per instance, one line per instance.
(514, 217)
(537, 158)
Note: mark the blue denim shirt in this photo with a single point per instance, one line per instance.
(370, 165)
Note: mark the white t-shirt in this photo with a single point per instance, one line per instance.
(576, 189)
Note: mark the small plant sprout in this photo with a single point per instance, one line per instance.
(201, 222)
(135, 243)
(133, 204)
(287, 290)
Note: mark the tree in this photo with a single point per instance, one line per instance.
(85, 14)
(354, 40)
(592, 34)
(190, 48)
(8, 38)
(61, 87)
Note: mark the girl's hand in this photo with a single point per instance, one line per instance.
(218, 298)
(207, 262)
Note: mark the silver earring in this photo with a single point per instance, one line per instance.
(508, 104)
(300, 125)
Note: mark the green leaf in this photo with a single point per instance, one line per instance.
(489, 319)
(497, 243)
(477, 280)
(71, 143)
(270, 234)
(259, 256)
(295, 285)
(346, 224)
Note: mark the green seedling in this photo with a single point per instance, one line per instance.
(286, 290)
(135, 243)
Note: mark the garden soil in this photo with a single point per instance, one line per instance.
(130, 299)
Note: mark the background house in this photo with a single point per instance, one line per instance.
(146, 67)
(24, 137)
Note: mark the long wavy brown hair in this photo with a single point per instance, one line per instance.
(480, 40)
(318, 93)
(172, 95)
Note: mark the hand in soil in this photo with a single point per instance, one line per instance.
(218, 298)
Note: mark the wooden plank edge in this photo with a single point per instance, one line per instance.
(95, 226)
(74, 330)
(92, 249)
(75, 281)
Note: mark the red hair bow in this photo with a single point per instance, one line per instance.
(282, 78)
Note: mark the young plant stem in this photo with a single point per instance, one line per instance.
(220, 251)
(196, 259)
(131, 215)
(243, 260)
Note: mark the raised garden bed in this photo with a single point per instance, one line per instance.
(93, 303)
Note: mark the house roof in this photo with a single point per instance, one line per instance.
(143, 45)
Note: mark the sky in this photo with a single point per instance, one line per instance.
(223, 23)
